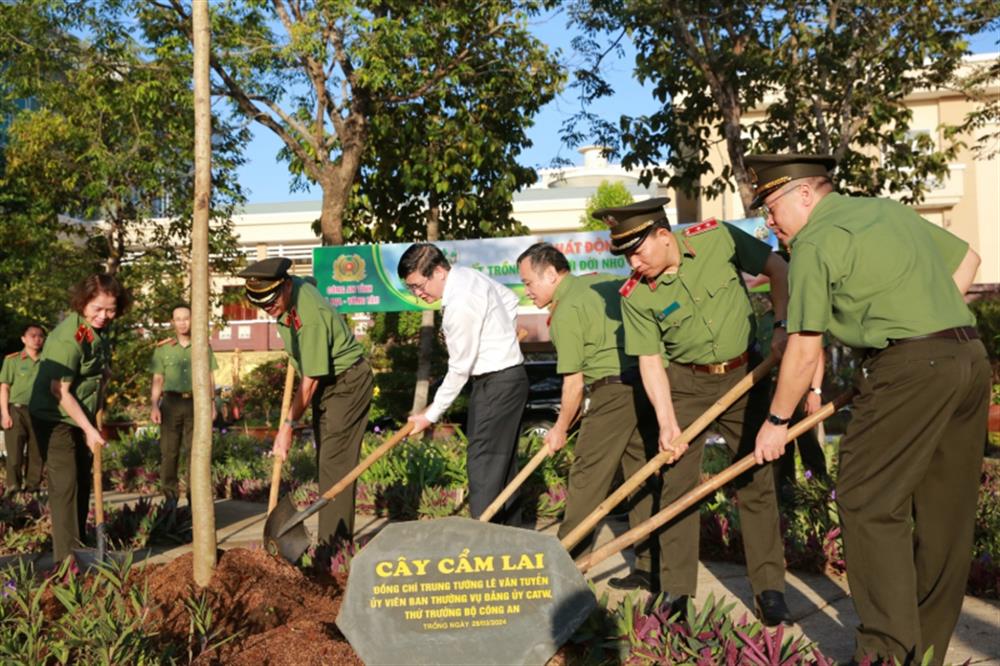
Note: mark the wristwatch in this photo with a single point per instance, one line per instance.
(781, 323)
(815, 389)
(777, 420)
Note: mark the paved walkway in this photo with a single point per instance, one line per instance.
(820, 605)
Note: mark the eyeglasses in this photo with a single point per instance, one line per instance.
(414, 288)
(766, 210)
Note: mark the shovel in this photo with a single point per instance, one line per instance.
(693, 496)
(102, 535)
(290, 536)
(288, 508)
(660, 459)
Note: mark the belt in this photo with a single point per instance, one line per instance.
(178, 394)
(361, 359)
(629, 377)
(719, 368)
(959, 333)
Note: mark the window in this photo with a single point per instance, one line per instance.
(235, 306)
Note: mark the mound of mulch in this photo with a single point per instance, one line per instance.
(282, 617)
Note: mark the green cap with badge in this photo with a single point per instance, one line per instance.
(630, 224)
(769, 172)
(264, 279)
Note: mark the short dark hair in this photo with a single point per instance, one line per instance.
(33, 324)
(186, 306)
(99, 283)
(542, 255)
(422, 258)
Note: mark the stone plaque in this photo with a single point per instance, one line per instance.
(459, 591)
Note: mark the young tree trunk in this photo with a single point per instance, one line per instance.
(420, 392)
(202, 505)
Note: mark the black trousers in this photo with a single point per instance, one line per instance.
(24, 460)
(493, 428)
(176, 432)
(64, 450)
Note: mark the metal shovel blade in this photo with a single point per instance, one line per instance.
(290, 544)
(102, 543)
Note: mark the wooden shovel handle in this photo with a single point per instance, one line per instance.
(693, 496)
(521, 477)
(98, 474)
(286, 405)
(383, 449)
(660, 459)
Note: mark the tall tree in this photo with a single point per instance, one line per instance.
(202, 505)
(832, 76)
(319, 75)
(445, 166)
(108, 136)
(607, 195)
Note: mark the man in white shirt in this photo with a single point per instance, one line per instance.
(479, 325)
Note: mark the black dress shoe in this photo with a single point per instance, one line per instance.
(634, 581)
(770, 608)
(677, 606)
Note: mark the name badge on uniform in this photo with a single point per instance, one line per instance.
(667, 311)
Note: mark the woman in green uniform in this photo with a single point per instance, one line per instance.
(65, 400)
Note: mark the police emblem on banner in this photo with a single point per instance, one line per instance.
(349, 268)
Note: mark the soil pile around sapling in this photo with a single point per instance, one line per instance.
(281, 616)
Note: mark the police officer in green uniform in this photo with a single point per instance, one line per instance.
(172, 404)
(16, 379)
(65, 399)
(586, 328)
(686, 300)
(882, 279)
(336, 380)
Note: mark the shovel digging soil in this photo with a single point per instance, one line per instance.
(277, 513)
(285, 532)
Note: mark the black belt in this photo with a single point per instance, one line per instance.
(178, 394)
(629, 377)
(959, 333)
(361, 359)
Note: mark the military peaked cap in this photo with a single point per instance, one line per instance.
(769, 172)
(264, 279)
(630, 224)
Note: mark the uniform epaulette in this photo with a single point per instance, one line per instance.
(12, 354)
(630, 284)
(167, 341)
(701, 227)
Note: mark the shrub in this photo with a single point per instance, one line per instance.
(637, 637)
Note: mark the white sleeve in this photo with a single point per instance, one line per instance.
(462, 326)
(510, 302)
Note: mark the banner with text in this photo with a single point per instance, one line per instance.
(362, 278)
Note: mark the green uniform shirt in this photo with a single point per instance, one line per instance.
(173, 360)
(586, 327)
(76, 353)
(316, 337)
(871, 270)
(701, 313)
(18, 372)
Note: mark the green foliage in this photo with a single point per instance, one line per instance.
(632, 635)
(389, 102)
(108, 136)
(260, 392)
(102, 618)
(987, 312)
(607, 195)
(809, 64)
(392, 348)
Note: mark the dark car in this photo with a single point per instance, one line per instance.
(544, 398)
